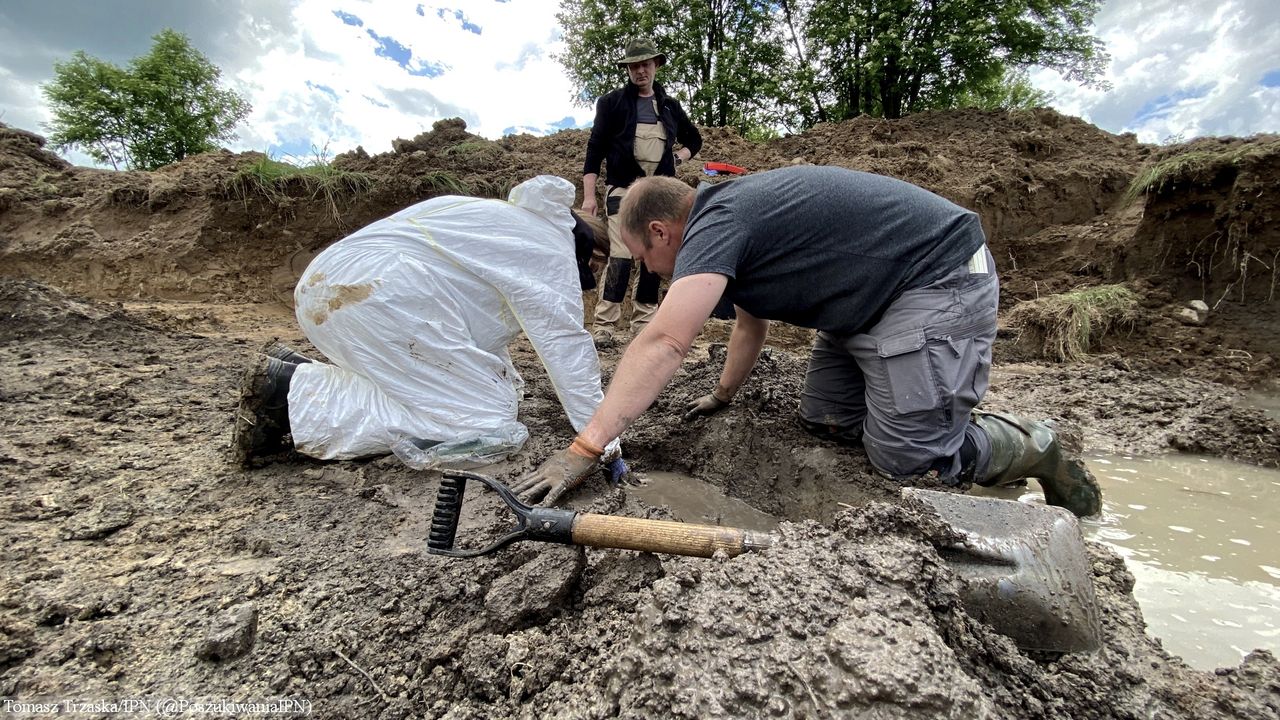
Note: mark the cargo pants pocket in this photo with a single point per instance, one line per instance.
(909, 371)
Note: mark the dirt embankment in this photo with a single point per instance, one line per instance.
(143, 564)
(187, 231)
(1050, 190)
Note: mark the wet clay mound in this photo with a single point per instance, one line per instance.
(1201, 221)
(1235, 344)
(863, 619)
(1065, 257)
(31, 310)
(1021, 171)
(1119, 407)
(205, 228)
(476, 166)
(172, 233)
(25, 167)
(1199, 227)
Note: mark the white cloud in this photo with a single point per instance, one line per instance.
(313, 79)
(1181, 68)
(499, 78)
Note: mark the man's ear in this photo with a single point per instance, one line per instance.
(660, 229)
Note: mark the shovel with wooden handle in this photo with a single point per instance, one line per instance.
(1024, 568)
(570, 527)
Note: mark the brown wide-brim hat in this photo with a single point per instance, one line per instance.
(640, 49)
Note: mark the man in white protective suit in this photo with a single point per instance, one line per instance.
(414, 313)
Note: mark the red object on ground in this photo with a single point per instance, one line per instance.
(723, 167)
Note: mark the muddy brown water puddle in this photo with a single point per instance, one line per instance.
(1267, 402)
(1199, 535)
(694, 501)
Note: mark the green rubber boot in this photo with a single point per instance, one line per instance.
(1024, 448)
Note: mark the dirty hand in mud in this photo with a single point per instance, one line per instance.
(708, 404)
(557, 475)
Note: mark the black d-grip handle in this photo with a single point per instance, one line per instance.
(532, 523)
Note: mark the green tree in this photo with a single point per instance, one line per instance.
(892, 57)
(1012, 91)
(722, 55)
(165, 106)
(789, 63)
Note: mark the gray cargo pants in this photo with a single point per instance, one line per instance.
(906, 387)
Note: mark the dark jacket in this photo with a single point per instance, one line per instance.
(614, 133)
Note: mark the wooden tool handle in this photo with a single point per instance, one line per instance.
(661, 536)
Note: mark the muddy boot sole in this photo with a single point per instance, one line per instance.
(258, 433)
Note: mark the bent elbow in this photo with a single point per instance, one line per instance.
(669, 343)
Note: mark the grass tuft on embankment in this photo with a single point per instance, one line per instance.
(1065, 327)
(440, 181)
(1195, 166)
(279, 181)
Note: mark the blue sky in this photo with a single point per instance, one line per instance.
(328, 75)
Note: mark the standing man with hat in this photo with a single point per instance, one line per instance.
(635, 134)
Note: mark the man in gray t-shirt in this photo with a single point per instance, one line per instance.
(898, 282)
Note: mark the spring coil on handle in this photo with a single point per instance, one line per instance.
(444, 522)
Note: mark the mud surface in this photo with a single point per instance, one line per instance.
(140, 562)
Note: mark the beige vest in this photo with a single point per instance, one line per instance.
(651, 142)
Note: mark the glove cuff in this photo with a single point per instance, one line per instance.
(585, 449)
(722, 396)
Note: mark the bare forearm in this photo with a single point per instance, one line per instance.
(654, 356)
(745, 343)
(646, 367)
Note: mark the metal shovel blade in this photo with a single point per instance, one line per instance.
(1025, 570)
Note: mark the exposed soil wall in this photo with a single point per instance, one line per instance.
(1213, 224)
(184, 232)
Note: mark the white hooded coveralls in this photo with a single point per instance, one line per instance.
(415, 312)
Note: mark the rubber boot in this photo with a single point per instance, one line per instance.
(617, 277)
(1024, 448)
(645, 302)
(262, 420)
(280, 351)
(608, 317)
(641, 315)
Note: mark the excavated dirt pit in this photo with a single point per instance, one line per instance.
(130, 539)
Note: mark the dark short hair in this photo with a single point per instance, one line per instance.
(588, 234)
(653, 198)
(599, 230)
